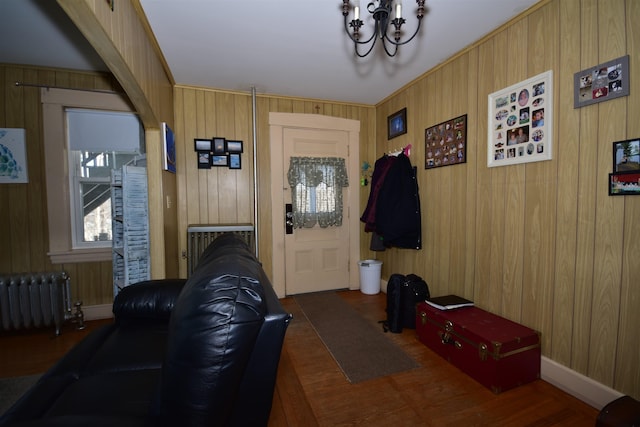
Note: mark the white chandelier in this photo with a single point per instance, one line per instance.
(380, 10)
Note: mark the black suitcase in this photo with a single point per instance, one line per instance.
(403, 293)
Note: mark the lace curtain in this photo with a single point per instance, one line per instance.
(316, 190)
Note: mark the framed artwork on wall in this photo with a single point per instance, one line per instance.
(624, 184)
(520, 122)
(603, 82)
(235, 161)
(202, 144)
(234, 146)
(445, 144)
(626, 156)
(204, 159)
(219, 160)
(169, 149)
(13, 156)
(397, 124)
(219, 146)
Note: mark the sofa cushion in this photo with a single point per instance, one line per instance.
(130, 348)
(151, 300)
(126, 393)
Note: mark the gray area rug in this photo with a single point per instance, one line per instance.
(361, 349)
(12, 388)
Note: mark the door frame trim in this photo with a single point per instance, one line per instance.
(277, 123)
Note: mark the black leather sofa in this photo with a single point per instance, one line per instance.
(196, 352)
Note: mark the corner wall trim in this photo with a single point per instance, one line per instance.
(579, 386)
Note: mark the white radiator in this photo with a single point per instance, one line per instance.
(35, 300)
(200, 236)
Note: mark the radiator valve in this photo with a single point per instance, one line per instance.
(78, 316)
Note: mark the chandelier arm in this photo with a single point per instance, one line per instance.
(386, 37)
(355, 48)
(386, 49)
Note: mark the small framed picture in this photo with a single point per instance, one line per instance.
(234, 161)
(397, 124)
(624, 184)
(626, 156)
(202, 144)
(219, 146)
(219, 160)
(204, 159)
(234, 147)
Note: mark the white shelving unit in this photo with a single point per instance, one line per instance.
(130, 227)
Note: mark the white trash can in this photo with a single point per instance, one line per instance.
(370, 270)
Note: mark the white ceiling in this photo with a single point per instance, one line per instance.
(280, 47)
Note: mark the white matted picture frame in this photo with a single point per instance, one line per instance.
(520, 128)
(13, 156)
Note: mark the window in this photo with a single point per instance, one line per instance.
(92, 135)
(91, 195)
(316, 184)
(83, 141)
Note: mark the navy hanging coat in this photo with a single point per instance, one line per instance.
(398, 217)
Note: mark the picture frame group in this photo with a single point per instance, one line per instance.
(218, 152)
(625, 178)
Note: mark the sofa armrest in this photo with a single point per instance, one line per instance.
(148, 300)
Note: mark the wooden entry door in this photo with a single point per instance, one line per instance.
(314, 259)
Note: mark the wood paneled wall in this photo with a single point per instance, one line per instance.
(23, 207)
(120, 34)
(222, 195)
(541, 243)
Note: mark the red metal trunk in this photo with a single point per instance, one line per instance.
(497, 352)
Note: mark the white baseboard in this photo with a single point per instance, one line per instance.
(95, 312)
(576, 384)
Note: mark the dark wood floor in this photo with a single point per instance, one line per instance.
(312, 391)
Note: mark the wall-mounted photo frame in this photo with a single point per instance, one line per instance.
(624, 184)
(220, 160)
(202, 144)
(13, 151)
(445, 144)
(168, 148)
(219, 146)
(234, 147)
(626, 156)
(234, 161)
(397, 124)
(603, 82)
(204, 159)
(520, 122)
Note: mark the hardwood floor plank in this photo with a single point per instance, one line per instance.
(311, 390)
